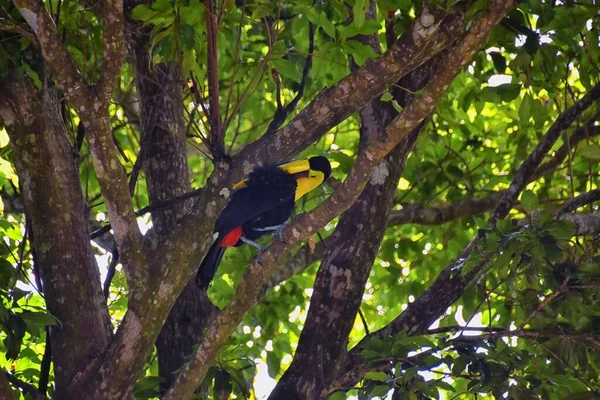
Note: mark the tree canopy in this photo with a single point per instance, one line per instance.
(454, 253)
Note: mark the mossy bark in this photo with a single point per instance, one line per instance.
(56, 209)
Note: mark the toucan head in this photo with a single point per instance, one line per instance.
(320, 163)
(308, 172)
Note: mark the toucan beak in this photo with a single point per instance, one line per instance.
(295, 167)
(291, 168)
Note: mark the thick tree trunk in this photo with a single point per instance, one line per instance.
(341, 279)
(347, 262)
(164, 160)
(56, 209)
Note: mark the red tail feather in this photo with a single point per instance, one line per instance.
(230, 239)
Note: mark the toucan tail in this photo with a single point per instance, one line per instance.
(209, 265)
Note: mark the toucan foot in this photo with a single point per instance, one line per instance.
(278, 229)
(252, 243)
(279, 234)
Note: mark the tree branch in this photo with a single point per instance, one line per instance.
(587, 224)
(588, 130)
(449, 286)
(282, 112)
(6, 391)
(535, 158)
(217, 138)
(417, 214)
(53, 50)
(114, 48)
(523, 333)
(431, 32)
(93, 109)
(51, 191)
(45, 365)
(27, 388)
(346, 264)
(579, 201)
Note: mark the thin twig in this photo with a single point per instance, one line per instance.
(573, 370)
(282, 112)
(217, 134)
(45, 366)
(110, 273)
(24, 386)
(549, 299)
(529, 166)
(150, 208)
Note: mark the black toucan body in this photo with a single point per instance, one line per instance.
(261, 204)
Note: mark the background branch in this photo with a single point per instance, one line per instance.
(334, 104)
(27, 388)
(528, 167)
(217, 136)
(449, 286)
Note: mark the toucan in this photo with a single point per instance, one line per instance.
(261, 204)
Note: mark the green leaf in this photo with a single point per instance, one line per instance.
(459, 365)
(445, 386)
(260, 12)
(489, 94)
(147, 387)
(320, 19)
(142, 12)
(279, 49)
(525, 110)
(345, 160)
(377, 376)
(387, 96)
(37, 320)
(591, 151)
(408, 375)
(163, 5)
(273, 363)
(360, 52)
(327, 25)
(359, 10)
(592, 269)
(32, 75)
(405, 5)
(313, 16)
(538, 112)
(369, 27)
(422, 341)
(509, 91)
(288, 69)
(481, 223)
(529, 201)
(379, 391)
(339, 7)
(506, 92)
(337, 396)
(188, 36)
(7, 273)
(551, 248)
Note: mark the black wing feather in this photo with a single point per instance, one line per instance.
(249, 203)
(209, 265)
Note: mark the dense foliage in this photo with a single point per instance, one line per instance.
(525, 323)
